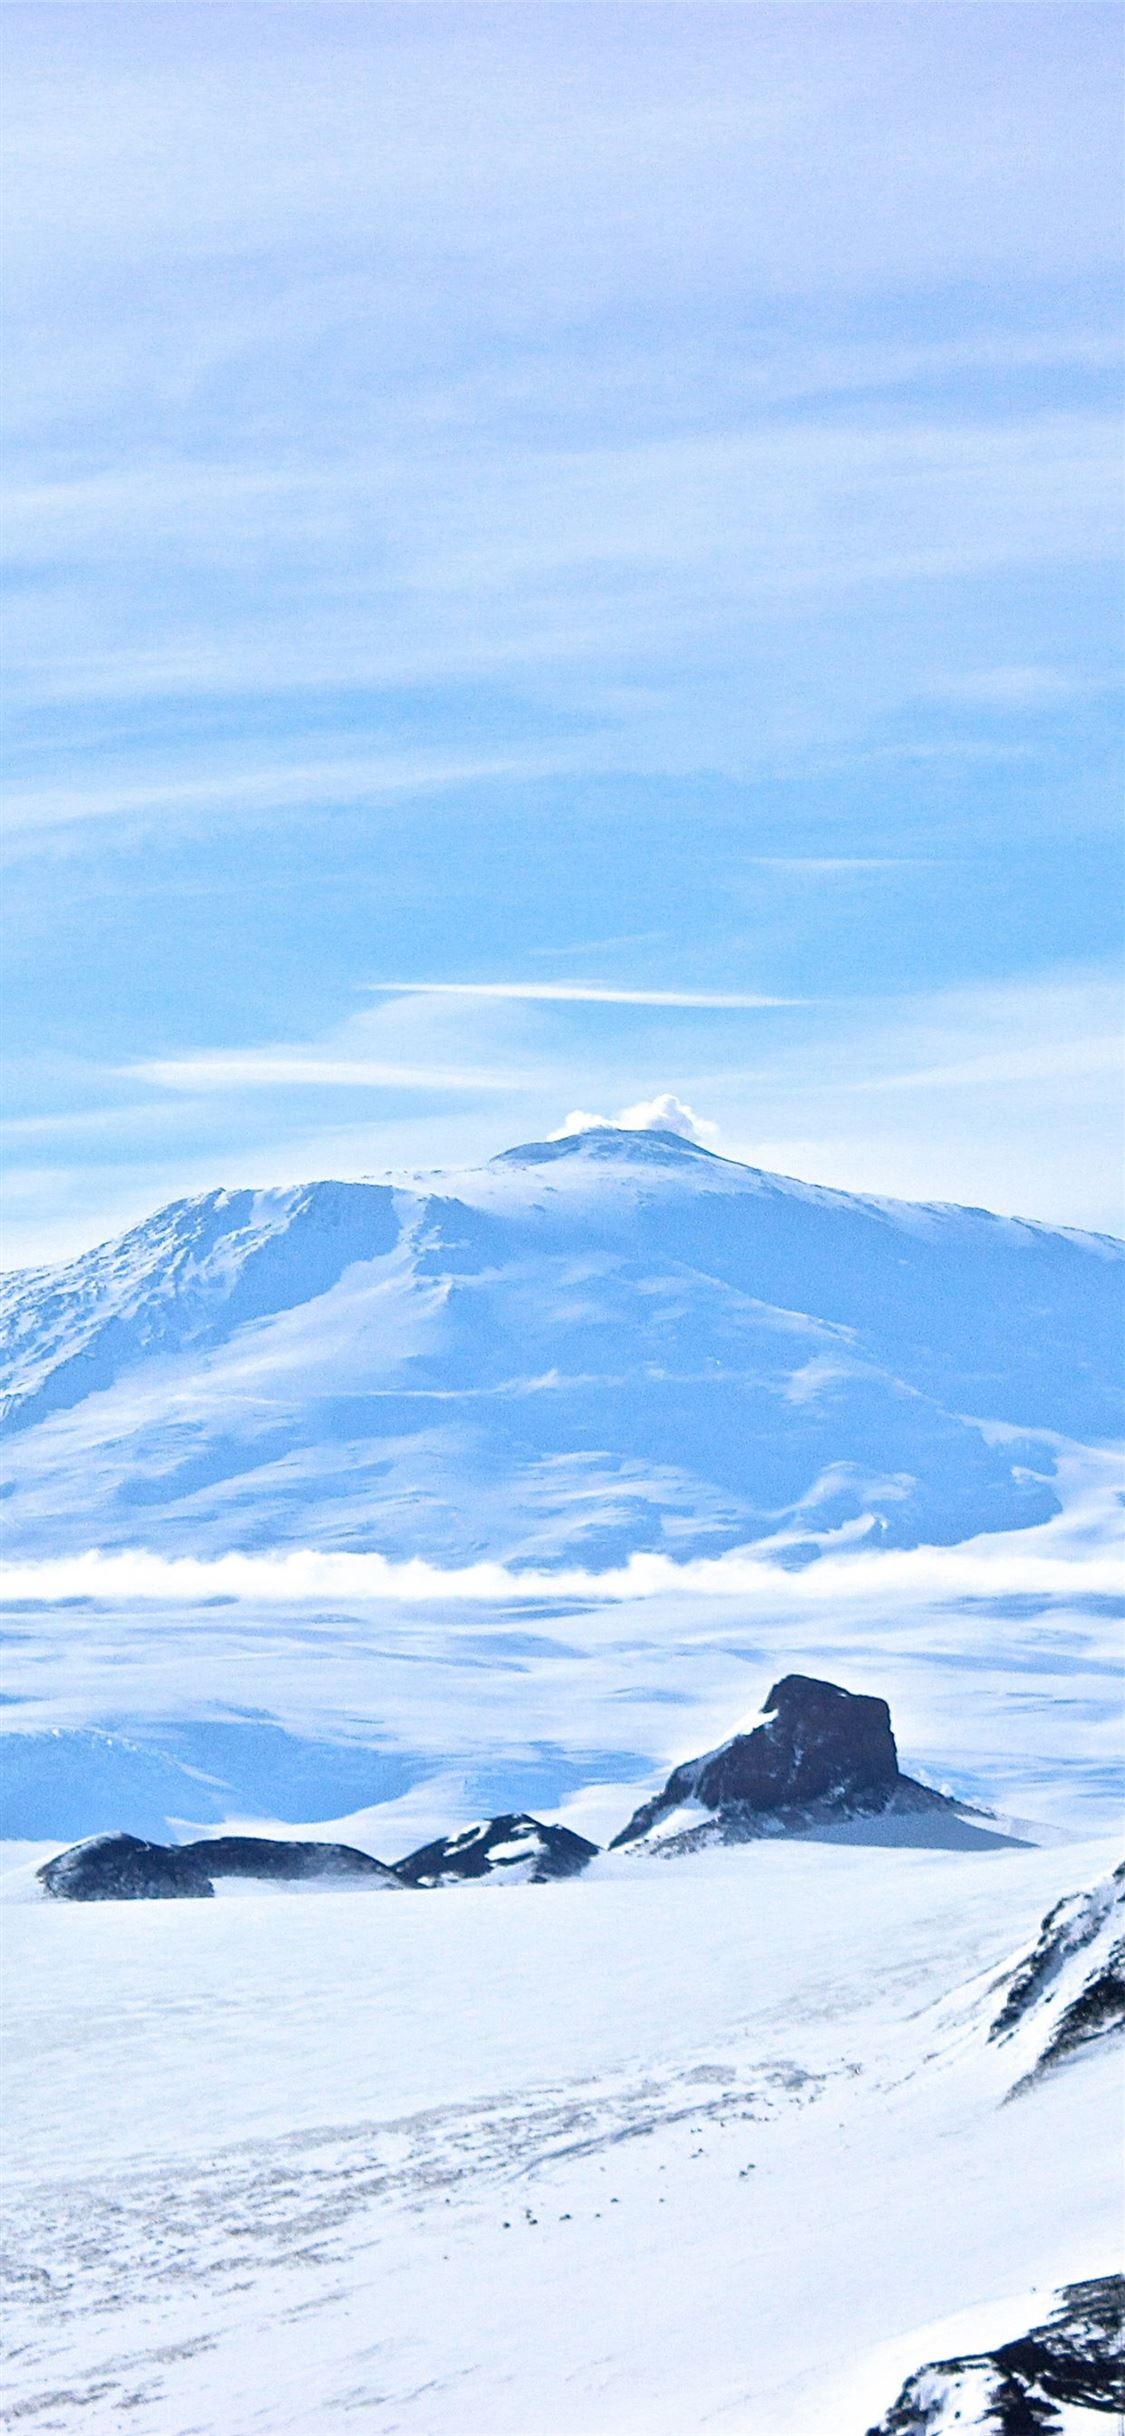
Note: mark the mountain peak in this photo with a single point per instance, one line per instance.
(820, 1756)
(653, 1147)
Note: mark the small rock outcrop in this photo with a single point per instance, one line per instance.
(1069, 1989)
(514, 1846)
(1073, 2363)
(123, 1869)
(821, 1756)
(261, 1856)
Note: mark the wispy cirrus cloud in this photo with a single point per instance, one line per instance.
(558, 477)
(232, 1070)
(279, 785)
(580, 993)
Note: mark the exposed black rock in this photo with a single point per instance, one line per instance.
(123, 1869)
(260, 1856)
(1072, 1983)
(821, 1756)
(515, 1844)
(1075, 2360)
(1098, 2009)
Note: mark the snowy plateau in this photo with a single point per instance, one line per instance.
(447, 1520)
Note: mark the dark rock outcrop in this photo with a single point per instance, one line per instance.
(126, 1869)
(261, 1856)
(123, 1869)
(820, 1756)
(1070, 1988)
(514, 1845)
(1074, 2361)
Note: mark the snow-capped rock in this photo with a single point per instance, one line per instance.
(821, 1756)
(1070, 1988)
(514, 1847)
(612, 1342)
(123, 1869)
(1067, 2373)
(260, 1856)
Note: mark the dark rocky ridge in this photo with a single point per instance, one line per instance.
(123, 1869)
(821, 1758)
(1091, 1924)
(821, 1755)
(259, 1856)
(1073, 2361)
(513, 1843)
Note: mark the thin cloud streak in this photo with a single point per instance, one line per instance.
(580, 993)
(248, 1070)
(1051, 1059)
(316, 782)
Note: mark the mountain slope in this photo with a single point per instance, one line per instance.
(612, 1342)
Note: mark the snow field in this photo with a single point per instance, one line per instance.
(670, 2147)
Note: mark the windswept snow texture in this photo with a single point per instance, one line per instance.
(610, 1343)
(1065, 2376)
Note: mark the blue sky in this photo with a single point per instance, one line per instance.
(616, 506)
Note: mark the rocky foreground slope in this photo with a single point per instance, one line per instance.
(1070, 1987)
(1066, 2374)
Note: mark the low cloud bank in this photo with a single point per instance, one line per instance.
(1075, 1554)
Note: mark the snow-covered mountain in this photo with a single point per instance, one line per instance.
(612, 1342)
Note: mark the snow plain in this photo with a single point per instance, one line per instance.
(710, 2145)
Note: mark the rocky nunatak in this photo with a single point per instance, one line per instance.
(821, 1756)
(124, 1868)
(260, 1856)
(514, 1846)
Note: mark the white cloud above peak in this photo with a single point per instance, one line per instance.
(665, 1114)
